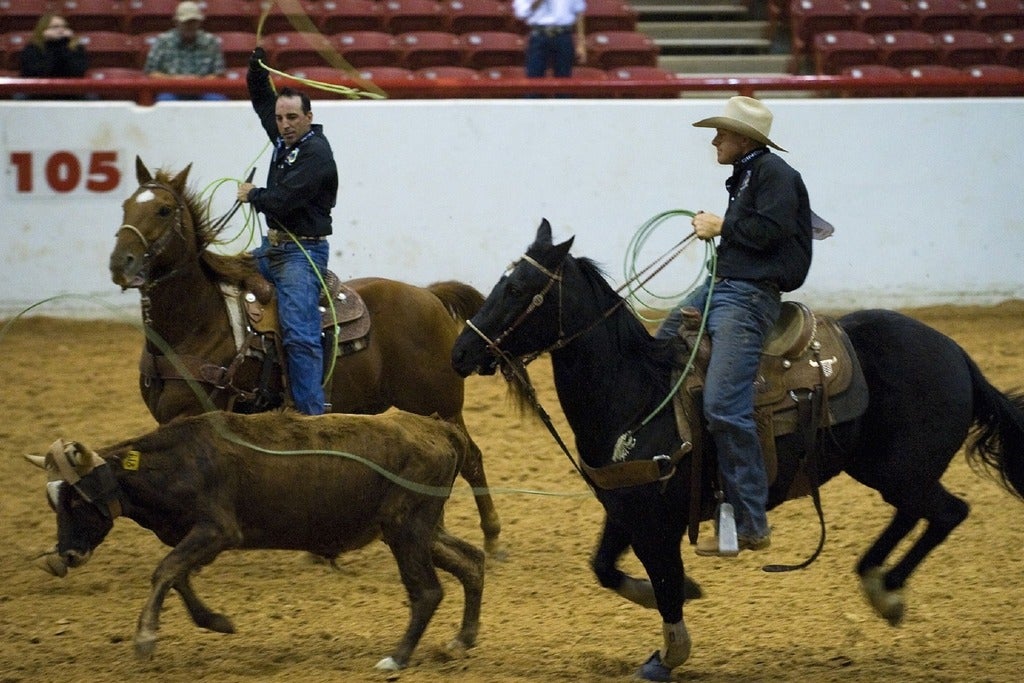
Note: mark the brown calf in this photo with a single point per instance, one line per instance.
(325, 484)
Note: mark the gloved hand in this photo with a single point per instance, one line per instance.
(257, 55)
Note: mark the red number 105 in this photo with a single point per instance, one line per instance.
(62, 172)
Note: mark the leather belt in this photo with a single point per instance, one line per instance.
(760, 283)
(550, 31)
(278, 237)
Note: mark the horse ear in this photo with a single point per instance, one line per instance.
(543, 238)
(563, 249)
(142, 173)
(178, 181)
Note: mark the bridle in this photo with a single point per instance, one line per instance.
(157, 247)
(563, 340)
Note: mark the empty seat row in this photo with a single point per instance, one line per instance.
(325, 16)
(984, 79)
(836, 50)
(810, 17)
(414, 49)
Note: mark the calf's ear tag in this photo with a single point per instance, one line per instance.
(131, 460)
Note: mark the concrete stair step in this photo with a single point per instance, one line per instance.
(695, 9)
(732, 65)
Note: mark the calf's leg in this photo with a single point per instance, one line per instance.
(466, 563)
(199, 547)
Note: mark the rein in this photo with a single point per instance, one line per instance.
(512, 369)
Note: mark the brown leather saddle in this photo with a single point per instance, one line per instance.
(341, 309)
(807, 358)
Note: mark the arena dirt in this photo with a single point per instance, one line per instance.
(545, 618)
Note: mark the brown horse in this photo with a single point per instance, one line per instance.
(161, 250)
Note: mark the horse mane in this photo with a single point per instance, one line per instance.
(230, 268)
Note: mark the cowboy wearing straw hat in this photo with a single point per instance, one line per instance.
(764, 248)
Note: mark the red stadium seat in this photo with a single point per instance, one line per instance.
(644, 73)
(12, 44)
(875, 71)
(836, 50)
(808, 18)
(1011, 47)
(115, 73)
(484, 49)
(289, 49)
(875, 16)
(385, 73)
(996, 15)
(402, 16)
(367, 48)
(94, 15)
(932, 16)
(113, 48)
(966, 48)
(906, 48)
(498, 73)
(609, 15)
(592, 73)
(150, 16)
(922, 73)
(988, 77)
(421, 49)
(20, 15)
(610, 49)
(351, 15)
(236, 46)
(301, 16)
(465, 16)
(460, 73)
(227, 15)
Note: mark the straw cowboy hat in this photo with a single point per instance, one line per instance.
(746, 116)
(188, 11)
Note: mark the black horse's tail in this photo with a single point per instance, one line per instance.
(998, 442)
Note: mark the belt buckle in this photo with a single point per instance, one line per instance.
(273, 238)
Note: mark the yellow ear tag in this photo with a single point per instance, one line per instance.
(131, 461)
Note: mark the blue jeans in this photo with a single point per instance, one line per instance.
(739, 318)
(298, 294)
(556, 51)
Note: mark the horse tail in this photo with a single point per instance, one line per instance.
(998, 443)
(461, 300)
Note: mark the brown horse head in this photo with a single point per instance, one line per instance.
(161, 229)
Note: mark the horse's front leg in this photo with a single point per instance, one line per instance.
(199, 547)
(658, 551)
(613, 543)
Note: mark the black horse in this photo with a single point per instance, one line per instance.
(926, 396)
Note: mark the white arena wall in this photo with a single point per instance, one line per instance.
(924, 193)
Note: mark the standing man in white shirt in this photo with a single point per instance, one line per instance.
(553, 23)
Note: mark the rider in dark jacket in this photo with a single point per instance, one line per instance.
(302, 187)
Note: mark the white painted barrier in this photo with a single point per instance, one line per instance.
(923, 192)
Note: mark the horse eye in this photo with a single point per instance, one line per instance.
(164, 211)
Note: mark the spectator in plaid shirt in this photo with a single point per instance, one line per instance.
(186, 51)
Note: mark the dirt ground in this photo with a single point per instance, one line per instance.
(544, 616)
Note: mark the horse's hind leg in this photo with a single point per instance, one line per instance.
(942, 512)
(466, 563)
(472, 470)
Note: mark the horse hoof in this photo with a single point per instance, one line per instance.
(496, 550)
(388, 664)
(456, 649)
(145, 646)
(691, 589)
(654, 670)
(890, 605)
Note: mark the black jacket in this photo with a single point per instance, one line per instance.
(766, 231)
(55, 59)
(302, 182)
